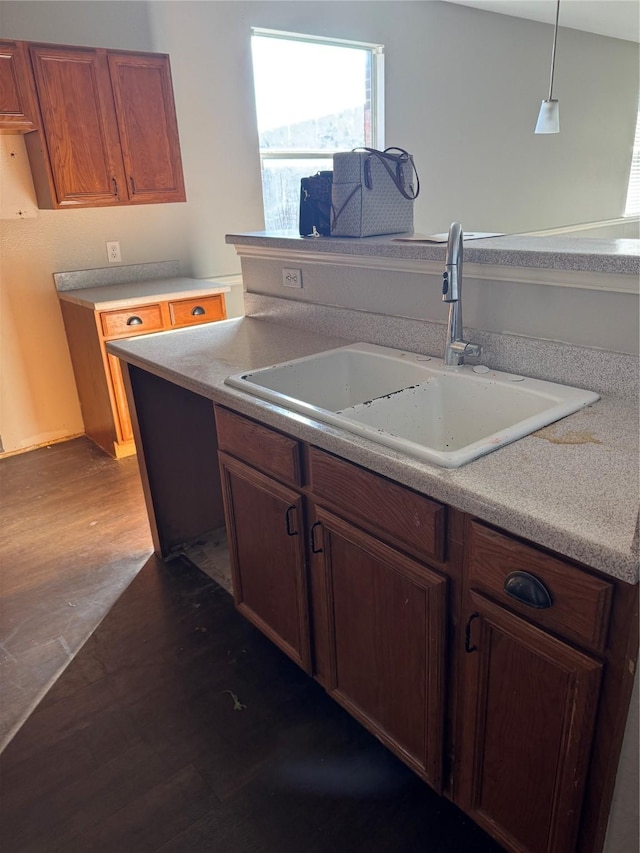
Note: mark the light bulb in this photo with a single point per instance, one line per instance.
(549, 117)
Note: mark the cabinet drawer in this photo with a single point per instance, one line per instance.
(580, 603)
(264, 448)
(203, 309)
(404, 517)
(132, 321)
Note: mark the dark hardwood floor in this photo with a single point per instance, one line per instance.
(178, 727)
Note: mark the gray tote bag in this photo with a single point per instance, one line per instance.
(373, 192)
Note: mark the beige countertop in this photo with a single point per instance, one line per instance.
(126, 294)
(572, 487)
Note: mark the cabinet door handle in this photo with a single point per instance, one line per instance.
(198, 311)
(527, 589)
(467, 634)
(314, 549)
(134, 321)
(291, 531)
(115, 186)
(133, 184)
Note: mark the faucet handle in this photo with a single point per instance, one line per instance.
(457, 352)
(473, 350)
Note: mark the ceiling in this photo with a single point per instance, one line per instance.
(614, 18)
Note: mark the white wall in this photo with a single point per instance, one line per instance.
(463, 91)
(38, 398)
(498, 302)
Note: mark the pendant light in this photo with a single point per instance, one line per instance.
(549, 117)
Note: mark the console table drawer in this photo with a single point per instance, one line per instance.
(132, 321)
(203, 309)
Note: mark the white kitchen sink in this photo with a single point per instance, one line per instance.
(413, 403)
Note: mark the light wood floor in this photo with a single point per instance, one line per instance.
(73, 534)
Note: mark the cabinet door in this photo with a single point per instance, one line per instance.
(147, 127)
(266, 547)
(386, 636)
(529, 707)
(79, 126)
(123, 418)
(17, 99)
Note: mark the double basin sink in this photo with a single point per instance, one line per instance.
(413, 403)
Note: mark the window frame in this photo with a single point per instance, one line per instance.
(632, 201)
(376, 95)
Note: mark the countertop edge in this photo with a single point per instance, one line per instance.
(147, 299)
(559, 253)
(592, 552)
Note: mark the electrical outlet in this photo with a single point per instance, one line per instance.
(292, 278)
(113, 251)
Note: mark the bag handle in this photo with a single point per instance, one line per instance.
(396, 174)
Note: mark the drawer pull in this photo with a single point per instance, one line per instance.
(527, 589)
(314, 548)
(291, 531)
(198, 311)
(467, 634)
(134, 321)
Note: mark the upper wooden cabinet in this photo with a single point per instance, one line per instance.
(109, 133)
(79, 130)
(147, 127)
(18, 112)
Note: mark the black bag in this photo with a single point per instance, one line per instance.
(315, 205)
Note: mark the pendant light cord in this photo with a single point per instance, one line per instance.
(553, 51)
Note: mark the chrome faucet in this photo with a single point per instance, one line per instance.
(456, 348)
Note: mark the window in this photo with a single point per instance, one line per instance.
(632, 207)
(313, 97)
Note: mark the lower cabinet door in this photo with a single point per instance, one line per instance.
(386, 642)
(266, 547)
(123, 424)
(529, 704)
